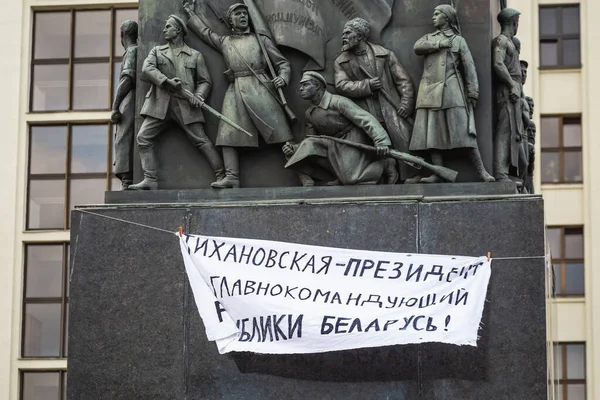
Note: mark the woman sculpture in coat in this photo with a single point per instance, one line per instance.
(446, 100)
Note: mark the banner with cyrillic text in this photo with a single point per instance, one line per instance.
(283, 298)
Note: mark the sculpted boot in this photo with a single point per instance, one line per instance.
(214, 159)
(306, 180)
(232, 170)
(479, 167)
(148, 160)
(390, 172)
(436, 159)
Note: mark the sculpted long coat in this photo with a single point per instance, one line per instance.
(324, 159)
(350, 81)
(124, 134)
(247, 102)
(189, 66)
(444, 119)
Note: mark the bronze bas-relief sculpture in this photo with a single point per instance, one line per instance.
(448, 94)
(251, 99)
(509, 130)
(329, 161)
(123, 108)
(175, 70)
(373, 78)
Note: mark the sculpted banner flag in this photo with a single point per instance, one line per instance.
(283, 298)
(314, 27)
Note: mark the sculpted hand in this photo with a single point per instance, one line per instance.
(188, 6)
(375, 84)
(403, 112)
(383, 151)
(196, 101)
(515, 93)
(279, 82)
(288, 149)
(473, 102)
(115, 116)
(445, 44)
(174, 84)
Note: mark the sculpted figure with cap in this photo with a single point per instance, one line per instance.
(251, 99)
(373, 78)
(509, 128)
(123, 109)
(174, 69)
(447, 96)
(337, 117)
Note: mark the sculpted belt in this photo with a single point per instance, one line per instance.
(232, 75)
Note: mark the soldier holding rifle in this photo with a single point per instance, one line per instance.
(175, 70)
(252, 99)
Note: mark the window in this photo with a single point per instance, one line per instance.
(68, 165)
(76, 59)
(569, 371)
(566, 245)
(559, 37)
(36, 385)
(46, 301)
(561, 149)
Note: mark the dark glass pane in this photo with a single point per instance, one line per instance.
(576, 391)
(575, 361)
(570, 20)
(92, 34)
(48, 150)
(571, 52)
(116, 76)
(549, 131)
(42, 330)
(548, 54)
(557, 279)
(550, 167)
(548, 21)
(87, 191)
(557, 352)
(46, 204)
(50, 88)
(41, 385)
(575, 283)
(122, 16)
(90, 86)
(44, 271)
(553, 238)
(90, 148)
(573, 166)
(573, 243)
(572, 133)
(52, 32)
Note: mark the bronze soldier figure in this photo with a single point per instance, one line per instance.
(251, 100)
(174, 69)
(123, 109)
(448, 94)
(509, 114)
(336, 116)
(373, 78)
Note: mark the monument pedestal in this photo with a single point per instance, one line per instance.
(135, 332)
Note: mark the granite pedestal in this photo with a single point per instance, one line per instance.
(135, 332)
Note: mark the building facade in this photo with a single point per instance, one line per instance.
(60, 67)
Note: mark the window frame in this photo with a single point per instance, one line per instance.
(563, 261)
(62, 373)
(559, 37)
(63, 300)
(563, 383)
(561, 149)
(71, 61)
(67, 176)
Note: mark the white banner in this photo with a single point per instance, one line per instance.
(283, 298)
